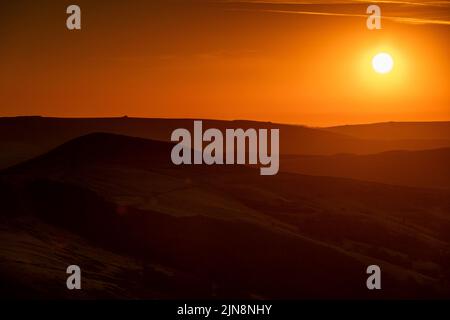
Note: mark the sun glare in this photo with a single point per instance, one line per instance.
(382, 63)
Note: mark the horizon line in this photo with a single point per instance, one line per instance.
(227, 120)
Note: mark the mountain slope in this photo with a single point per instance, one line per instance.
(428, 168)
(23, 138)
(223, 231)
(436, 130)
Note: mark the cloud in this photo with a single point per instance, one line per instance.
(337, 2)
(410, 20)
(410, 12)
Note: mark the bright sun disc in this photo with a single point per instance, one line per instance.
(382, 63)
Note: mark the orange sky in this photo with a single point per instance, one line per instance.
(223, 59)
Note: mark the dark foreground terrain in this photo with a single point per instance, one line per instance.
(140, 227)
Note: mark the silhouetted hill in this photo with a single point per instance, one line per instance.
(428, 168)
(23, 138)
(101, 148)
(219, 231)
(436, 130)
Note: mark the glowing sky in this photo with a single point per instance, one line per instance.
(281, 61)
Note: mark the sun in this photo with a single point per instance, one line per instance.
(382, 63)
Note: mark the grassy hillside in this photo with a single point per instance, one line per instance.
(220, 231)
(23, 138)
(427, 168)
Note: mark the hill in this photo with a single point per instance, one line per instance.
(428, 168)
(23, 138)
(217, 231)
(437, 130)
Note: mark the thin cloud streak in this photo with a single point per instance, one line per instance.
(409, 17)
(397, 2)
(335, 14)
